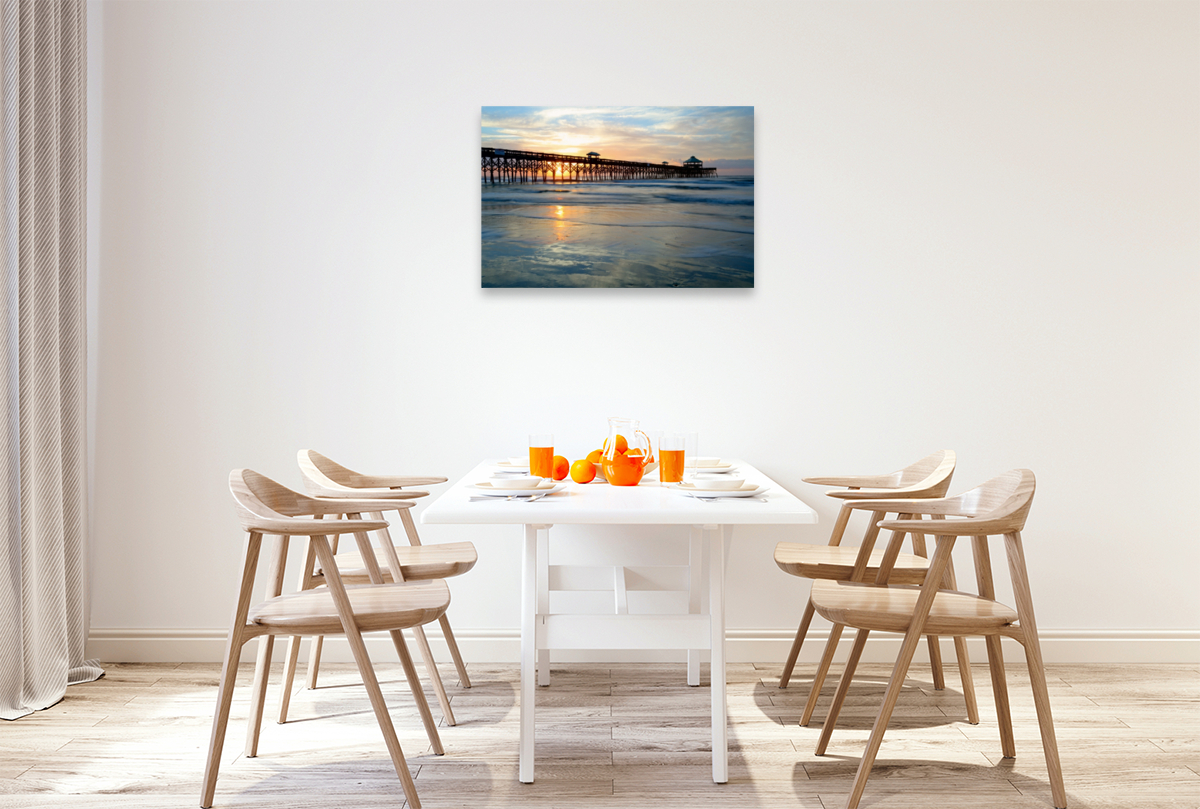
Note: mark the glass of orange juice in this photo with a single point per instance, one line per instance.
(671, 448)
(541, 455)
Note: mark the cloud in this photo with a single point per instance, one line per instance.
(644, 134)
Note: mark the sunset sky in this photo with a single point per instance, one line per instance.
(720, 136)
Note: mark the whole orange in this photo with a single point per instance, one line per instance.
(622, 445)
(583, 471)
(595, 455)
(560, 467)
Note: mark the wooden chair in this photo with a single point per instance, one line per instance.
(264, 507)
(928, 477)
(406, 563)
(998, 507)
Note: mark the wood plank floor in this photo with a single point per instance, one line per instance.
(610, 736)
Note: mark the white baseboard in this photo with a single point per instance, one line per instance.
(742, 646)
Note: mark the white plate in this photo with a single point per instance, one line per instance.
(708, 465)
(709, 470)
(509, 466)
(498, 489)
(747, 490)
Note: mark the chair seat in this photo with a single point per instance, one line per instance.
(417, 562)
(889, 608)
(376, 607)
(837, 563)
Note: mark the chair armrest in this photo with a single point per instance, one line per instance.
(855, 481)
(949, 528)
(397, 481)
(879, 494)
(360, 494)
(348, 505)
(915, 505)
(310, 528)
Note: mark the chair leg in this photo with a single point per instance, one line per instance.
(790, 663)
(968, 682)
(258, 694)
(935, 662)
(935, 647)
(434, 676)
(964, 659)
(987, 589)
(293, 650)
(1008, 742)
(464, 679)
(1037, 669)
(362, 539)
(262, 666)
(393, 562)
(1041, 701)
(220, 722)
(895, 685)
(839, 697)
(835, 539)
(314, 661)
(289, 676)
(414, 684)
(912, 638)
(367, 672)
(835, 634)
(374, 693)
(233, 651)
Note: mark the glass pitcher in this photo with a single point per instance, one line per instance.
(628, 453)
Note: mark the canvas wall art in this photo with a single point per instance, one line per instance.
(617, 197)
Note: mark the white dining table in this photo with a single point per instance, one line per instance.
(597, 503)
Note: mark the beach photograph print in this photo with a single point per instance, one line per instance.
(618, 197)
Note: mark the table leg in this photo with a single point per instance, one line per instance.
(543, 599)
(716, 608)
(529, 599)
(695, 565)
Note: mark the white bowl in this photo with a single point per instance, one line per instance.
(700, 463)
(519, 461)
(722, 483)
(518, 482)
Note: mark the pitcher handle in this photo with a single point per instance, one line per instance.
(649, 446)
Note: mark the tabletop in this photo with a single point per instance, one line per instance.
(648, 503)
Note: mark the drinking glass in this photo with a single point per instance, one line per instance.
(541, 455)
(691, 453)
(671, 455)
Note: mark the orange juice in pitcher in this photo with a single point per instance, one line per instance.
(627, 453)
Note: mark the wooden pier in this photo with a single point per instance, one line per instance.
(511, 166)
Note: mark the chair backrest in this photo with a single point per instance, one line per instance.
(324, 477)
(1003, 501)
(260, 500)
(319, 469)
(928, 477)
(999, 506)
(266, 507)
(935, 468)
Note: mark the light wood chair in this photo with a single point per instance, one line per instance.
(266, 508)
(928, 477)
(325, 478)
(998, 507)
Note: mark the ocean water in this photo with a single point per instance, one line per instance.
(631, 233)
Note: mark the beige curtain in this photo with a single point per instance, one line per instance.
(43, 571)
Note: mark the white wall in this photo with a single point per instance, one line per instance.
(976, 229)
